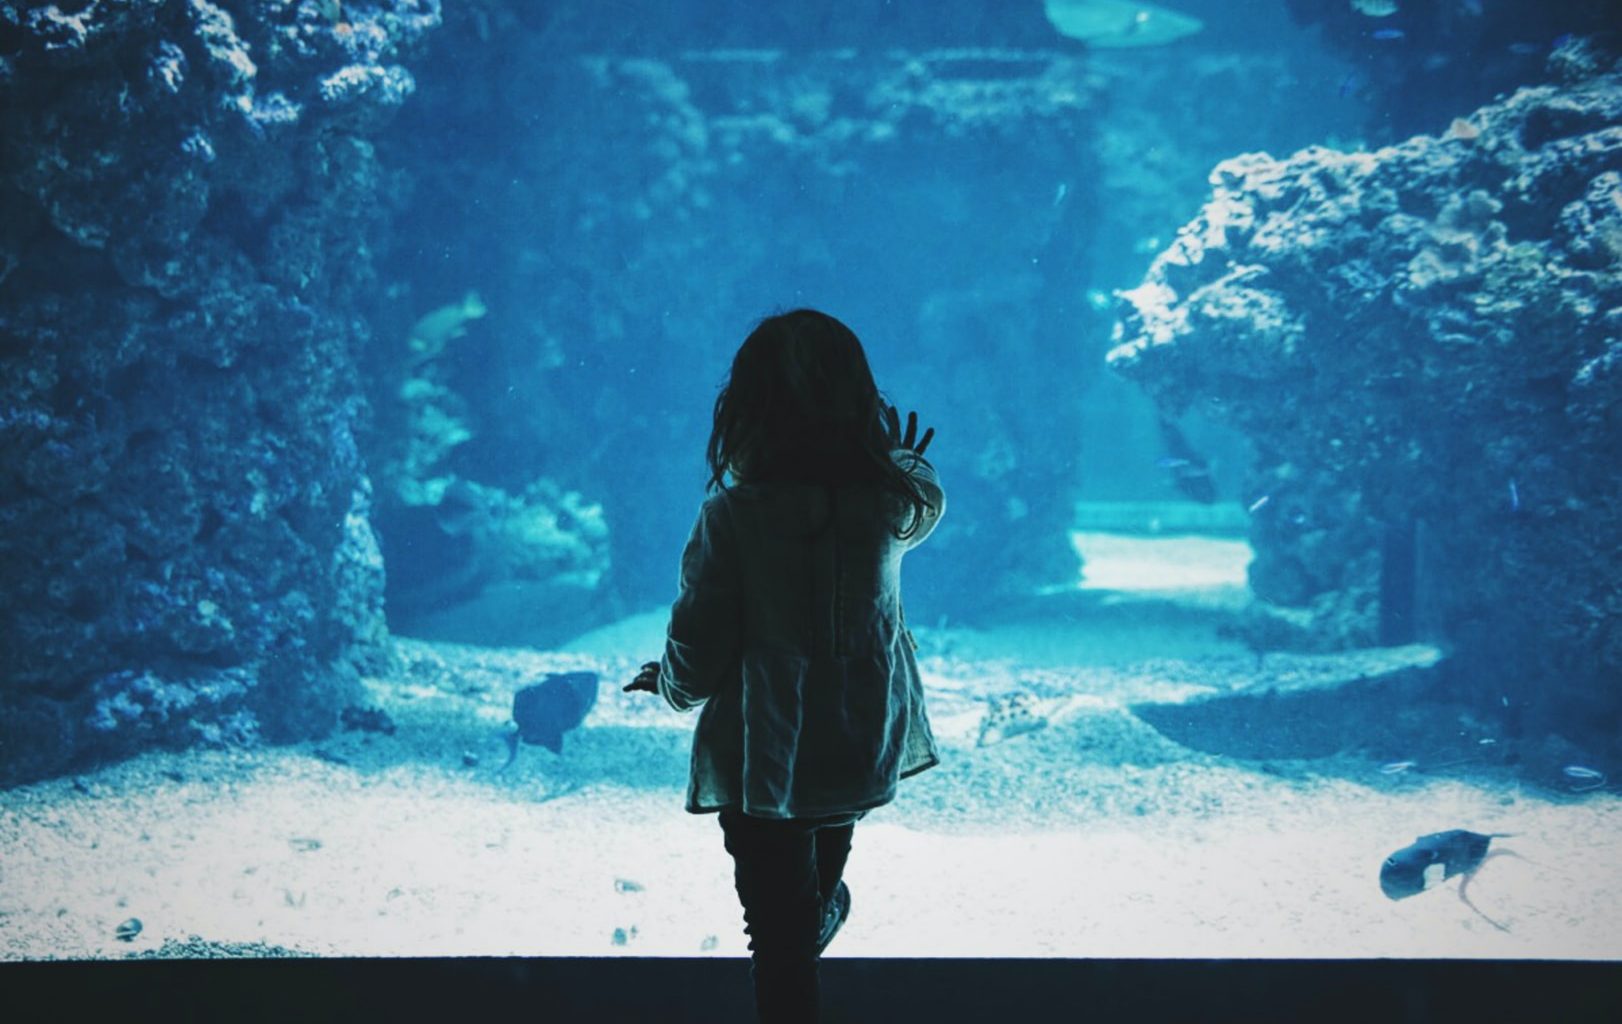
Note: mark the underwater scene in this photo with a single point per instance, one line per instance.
(358, 360)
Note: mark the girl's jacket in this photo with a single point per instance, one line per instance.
(788, 629)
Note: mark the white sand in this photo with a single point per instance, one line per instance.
(420, 856)
(1092, 837)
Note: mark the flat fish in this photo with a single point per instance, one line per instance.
(1433, 859)
(1017, 713)
(1118, 23)
(550, 708)
(1011, 715)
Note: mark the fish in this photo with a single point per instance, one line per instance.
(1583, 778)
(1375, 8)
(1397, 767)
(1514, 496)
(1387, 34)
(1010, 715)
(1017, 713)
(1258, 504)
(1117, 24)
(435, 330)
(1432, 859)
(546, 710)
(1189, 470)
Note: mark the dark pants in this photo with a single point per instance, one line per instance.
(785, 871)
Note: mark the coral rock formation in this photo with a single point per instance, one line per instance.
(1424, 343)
(188, 195)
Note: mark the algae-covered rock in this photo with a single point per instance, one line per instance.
(1421, 342)
(188, 208)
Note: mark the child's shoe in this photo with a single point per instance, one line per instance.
(837, 913)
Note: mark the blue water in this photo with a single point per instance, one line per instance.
(363, 355)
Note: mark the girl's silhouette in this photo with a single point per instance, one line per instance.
(788, 628)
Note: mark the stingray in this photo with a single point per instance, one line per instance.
(1113, 24)
(550, 708)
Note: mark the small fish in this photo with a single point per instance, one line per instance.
(1063, 190)
(1514, 496)
(1257, 505)
(1397, 767)
(1434, 858)
(1375, 8)
(1190, 472)
(437, 329)
(1387, 34)
(1350, 84)
(547, 710)
(1010, 715)
(1583, 778)
(1525, 49)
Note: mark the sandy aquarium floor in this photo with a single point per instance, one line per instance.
(1093, 835)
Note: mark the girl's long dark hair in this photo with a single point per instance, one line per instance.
(800, 405)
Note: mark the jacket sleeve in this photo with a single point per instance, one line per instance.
(923, 474)
(702, 641)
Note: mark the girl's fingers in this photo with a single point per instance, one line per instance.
(912, 428)
(929, 435)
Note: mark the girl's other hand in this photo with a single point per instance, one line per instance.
(647, 679)
(893, 418)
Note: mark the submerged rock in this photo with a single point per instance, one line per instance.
(188, 215)
(1422, 342)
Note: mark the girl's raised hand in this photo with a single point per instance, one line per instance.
(647, 679)
(893, 418)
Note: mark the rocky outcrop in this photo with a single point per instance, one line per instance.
(937, 199)
(627, 190)
(189, 198)
(1424, 344)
